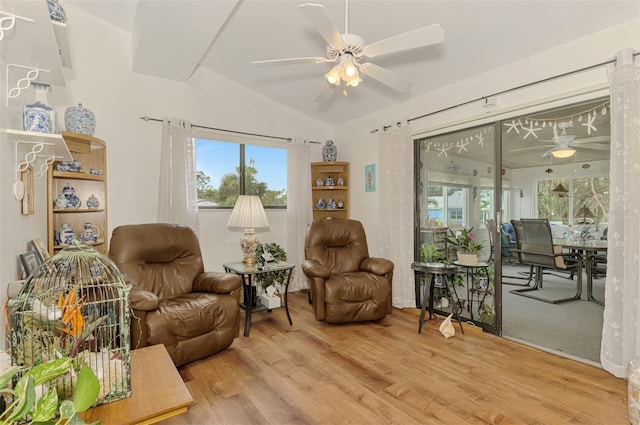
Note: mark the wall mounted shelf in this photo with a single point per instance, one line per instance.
(31, 45)
(38, 150)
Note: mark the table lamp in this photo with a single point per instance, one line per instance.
(248, 215)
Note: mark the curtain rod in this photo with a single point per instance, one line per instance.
(288, 139)
(544, 80)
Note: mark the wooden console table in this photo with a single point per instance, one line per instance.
(157, 392)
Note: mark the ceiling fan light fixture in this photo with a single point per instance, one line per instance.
(333, 76)
(348, 69)
(353, 82)
(563, 152)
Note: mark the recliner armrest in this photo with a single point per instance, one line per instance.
(141, 299)
(313, 269)
(217, 282)
(379, 266)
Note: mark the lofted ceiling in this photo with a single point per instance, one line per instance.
(172, 38)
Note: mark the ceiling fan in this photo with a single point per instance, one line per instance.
(565, 145)
(347, 51)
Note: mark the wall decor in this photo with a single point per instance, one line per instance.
(27, 199)
(370, 178)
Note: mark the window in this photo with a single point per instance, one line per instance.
(588, 202)
(453, 206)
(228, 169)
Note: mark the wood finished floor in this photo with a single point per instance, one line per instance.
(386, 373)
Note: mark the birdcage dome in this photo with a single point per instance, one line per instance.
(75, 305)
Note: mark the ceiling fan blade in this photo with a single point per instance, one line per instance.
(420, 37)
(320, 19)
(595, 139)
(594, 146)
(531, 148)
(548, 152)
(325, 93)
(388, 78)
(291, 61)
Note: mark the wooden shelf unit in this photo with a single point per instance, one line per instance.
(337, 170)
(91, 152)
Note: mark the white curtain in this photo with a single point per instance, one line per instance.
(178, 193)
(395, 211)
(299, 213)
(620, 336)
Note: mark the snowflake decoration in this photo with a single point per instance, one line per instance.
(480, 138)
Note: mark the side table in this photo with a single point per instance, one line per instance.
(432, 270)
(472, 272)
(247, 272)
(157, 392)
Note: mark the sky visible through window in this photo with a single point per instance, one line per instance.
(218, 159)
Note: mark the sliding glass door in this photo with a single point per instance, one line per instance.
(552, 164)
(456, 197)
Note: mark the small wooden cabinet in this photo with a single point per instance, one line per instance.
(91, 152)
(335, 198)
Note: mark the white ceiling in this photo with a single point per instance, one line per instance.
(172, 38)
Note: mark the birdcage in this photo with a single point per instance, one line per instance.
(75, 305)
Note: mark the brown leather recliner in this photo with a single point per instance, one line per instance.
(174, 301)
(346, 284)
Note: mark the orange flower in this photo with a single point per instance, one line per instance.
(71, 315)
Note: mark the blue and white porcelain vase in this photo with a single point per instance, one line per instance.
(78, 119)
(39, 116)
(72, 199)
(56, 12)
(329, 152)
(93, 202)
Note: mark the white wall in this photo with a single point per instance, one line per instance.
(359, 146)
(101, 79)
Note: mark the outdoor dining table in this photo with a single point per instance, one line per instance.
(585, 248)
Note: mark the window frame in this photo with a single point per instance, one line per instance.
(242, 141)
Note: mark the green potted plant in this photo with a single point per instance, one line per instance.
(276, 278)
(468, 246)
(430, 253)
(24, 408)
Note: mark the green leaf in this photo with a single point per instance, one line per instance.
(7, 375)
(47, 371)
(46, 406)
(88, 330)
(66, 409)
(77, 420)
(87, 389)
(25, 394)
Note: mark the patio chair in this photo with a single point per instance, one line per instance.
(536, 249)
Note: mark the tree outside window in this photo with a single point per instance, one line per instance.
(258, 170)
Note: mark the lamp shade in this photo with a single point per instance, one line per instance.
(248, 213)
(585, 212)
(560, 189)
